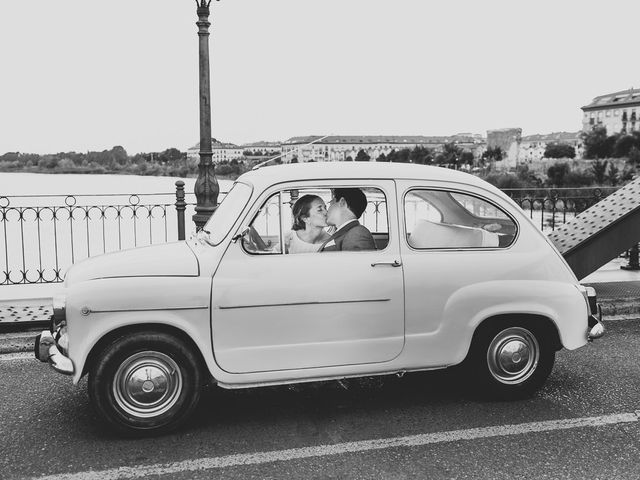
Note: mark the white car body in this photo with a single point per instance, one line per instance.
(275, 319)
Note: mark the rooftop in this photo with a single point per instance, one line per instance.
(369, 139)
(215, 144)
(553, 137)
(627, 97)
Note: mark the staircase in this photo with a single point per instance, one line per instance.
(602, 232)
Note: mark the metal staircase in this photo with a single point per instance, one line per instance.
(600, 233)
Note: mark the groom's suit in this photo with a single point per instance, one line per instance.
(352, 236)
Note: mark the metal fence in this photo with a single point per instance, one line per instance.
(39, 243)
(41, 236)
(550, 207)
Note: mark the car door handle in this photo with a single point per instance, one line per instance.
(395, 263)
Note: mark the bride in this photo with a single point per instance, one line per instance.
(309, 221)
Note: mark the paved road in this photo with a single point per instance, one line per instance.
(583, 424)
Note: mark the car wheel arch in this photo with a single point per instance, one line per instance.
(536, 321)
(111, 336)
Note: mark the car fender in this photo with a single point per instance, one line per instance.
(468, 307)
(97, 308)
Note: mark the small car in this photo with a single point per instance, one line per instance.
(456, 274)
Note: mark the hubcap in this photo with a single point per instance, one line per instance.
(147, 384)
(513, 355)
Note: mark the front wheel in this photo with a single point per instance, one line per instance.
(145, 383)
(510, 360)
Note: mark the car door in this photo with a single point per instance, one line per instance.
(277, 311)
(452, 240)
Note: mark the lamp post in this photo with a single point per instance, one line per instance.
(206, 187)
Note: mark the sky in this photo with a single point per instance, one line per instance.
(78, 75)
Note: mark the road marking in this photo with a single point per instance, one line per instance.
(9, 357)
(203, 464)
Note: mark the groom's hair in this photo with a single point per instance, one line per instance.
(354, 197)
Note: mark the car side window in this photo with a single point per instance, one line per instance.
(298, 221)
(264, 236)
(443, 219)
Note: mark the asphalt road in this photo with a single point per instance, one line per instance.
(583, 424)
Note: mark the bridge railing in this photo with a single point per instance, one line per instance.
(550, 207)
(41, 236)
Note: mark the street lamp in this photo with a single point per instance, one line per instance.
(206, 187)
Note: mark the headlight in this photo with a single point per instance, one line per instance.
(59, 310)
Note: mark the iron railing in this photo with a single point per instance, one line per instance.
(550, 207)
(41, 236)
(39, 243)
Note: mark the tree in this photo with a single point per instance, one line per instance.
(451, 153)
(612, 175)
(634, 156)
(118, 155)
(362, 156)
(382, 158)
(421, 155)
(597, 144)
(624, 144)
(557, 173)
(493, 153)
(399, 156)
(171, 155)
(466, 158)
(598, 169)
(559, 150)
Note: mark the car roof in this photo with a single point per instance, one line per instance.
(273, 174)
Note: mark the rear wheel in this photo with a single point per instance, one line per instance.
(145, 383)
(510, 360)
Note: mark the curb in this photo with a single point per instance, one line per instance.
(17, 342)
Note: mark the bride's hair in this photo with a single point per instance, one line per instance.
(301, 211)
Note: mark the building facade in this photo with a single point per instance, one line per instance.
(532, 147)
(508, 140)
(220, 151)
(338, 148)
(262, 148)
(618, 112)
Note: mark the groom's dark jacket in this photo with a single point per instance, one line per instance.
(352, 236)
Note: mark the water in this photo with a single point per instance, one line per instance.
(12, 184)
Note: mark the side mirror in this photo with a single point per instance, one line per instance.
(243, 231)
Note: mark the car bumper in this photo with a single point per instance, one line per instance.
(596, 327)
(47, 350)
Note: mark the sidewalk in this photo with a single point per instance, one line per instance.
(21, 317)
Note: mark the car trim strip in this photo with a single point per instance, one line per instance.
(148, 309)
(304, 303)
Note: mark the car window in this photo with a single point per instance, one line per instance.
(443, 219)
(298, 221)
(264, 235)
(227, 212)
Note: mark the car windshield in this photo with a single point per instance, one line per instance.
(227, 212)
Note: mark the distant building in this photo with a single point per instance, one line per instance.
(262, 148)
(508, 140)
(221, 151)
(618, 112)
(532, 147)
(338, 148)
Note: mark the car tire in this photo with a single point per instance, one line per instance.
(145, 383)
(510, 360)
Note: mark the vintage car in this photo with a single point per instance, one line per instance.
(459, 276)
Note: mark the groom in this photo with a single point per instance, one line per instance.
(345, 208)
